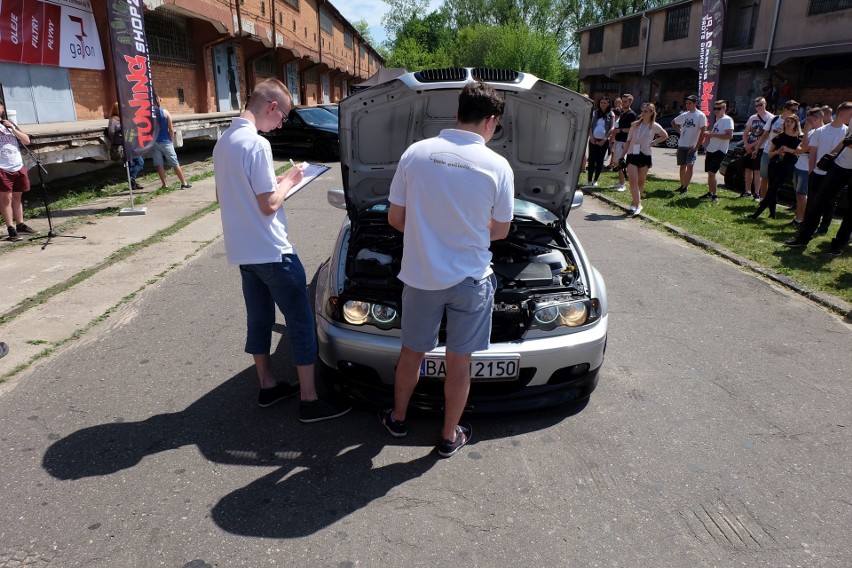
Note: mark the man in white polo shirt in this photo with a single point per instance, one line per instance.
(451, 196)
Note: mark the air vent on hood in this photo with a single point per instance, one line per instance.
(497, 75)
(441, 75)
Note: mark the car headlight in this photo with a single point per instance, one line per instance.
(361, 312)
(549, 315)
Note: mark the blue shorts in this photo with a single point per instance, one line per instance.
(468, 306)
(164, 152)
(800, 181)
(684, 157)
(283, 284)
(764, 165)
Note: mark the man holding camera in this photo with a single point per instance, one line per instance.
(14, 180)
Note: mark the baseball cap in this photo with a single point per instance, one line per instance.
(692, 98)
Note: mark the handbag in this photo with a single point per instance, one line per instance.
(826, 162)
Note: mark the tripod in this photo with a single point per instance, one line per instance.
(51, 234)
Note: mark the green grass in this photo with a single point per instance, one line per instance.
(760, 241)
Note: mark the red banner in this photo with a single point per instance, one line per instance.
(132, 76)
(11, 30)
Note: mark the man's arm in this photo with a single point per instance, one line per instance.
(271, 201)
(169, 122)
(396, 217)
(499, 230)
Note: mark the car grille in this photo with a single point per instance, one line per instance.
(441, 75)
(498, 75)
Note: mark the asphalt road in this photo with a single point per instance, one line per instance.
(719, 436)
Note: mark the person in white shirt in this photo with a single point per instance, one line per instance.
(802, 170)
(14, 180)
(691, 126)
(822, 142)
(755, 125)
(839, 175)
(642, 136)
(717, 142)
(451, 196)
(255, 230)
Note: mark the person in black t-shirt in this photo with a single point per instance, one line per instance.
(620, 130)
(782, 160)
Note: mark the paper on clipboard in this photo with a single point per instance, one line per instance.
(310, 173)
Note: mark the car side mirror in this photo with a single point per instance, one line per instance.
(336, 198)
(578, 200)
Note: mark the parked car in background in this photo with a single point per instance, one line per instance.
(332, 108)
(549, 328)
(310, 130)
(666, 122)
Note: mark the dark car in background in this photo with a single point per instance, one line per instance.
(666, 122)
(332, 108)
(310, 130)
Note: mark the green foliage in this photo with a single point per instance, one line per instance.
(363, 29)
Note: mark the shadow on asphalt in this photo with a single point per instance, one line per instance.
(598, 217)
(323, 472)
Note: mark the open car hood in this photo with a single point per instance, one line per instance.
(545, 128)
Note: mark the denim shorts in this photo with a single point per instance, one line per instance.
(800, 181)
(764, 165)
(164, 152)
(283, 284)
(685, 157)
(468, 306)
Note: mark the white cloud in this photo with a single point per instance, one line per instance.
(371, 11)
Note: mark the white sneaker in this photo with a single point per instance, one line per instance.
(595, 184)
(619, 188)
(637, 210)
(632, 209)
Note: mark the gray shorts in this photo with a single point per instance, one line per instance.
(764, 165)
(685, 157)
(618, 150)
(468, 306)
(164, 152)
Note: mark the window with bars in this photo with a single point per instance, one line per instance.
(326, 23)
(677, 22)
(825, 6)
(596, 37)
(630, 32)
(606, 85)
(168, 37)
(347, 39)
(265, 66)
(262, 8)
(293, 3)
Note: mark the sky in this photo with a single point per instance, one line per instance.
(372, 11)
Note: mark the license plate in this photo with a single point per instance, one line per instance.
(499, 368)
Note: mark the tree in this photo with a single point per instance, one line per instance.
(363, 29)
(401, 12)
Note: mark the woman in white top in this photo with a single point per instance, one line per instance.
(644, 133)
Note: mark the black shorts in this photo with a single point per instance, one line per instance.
(639, 160)
(713, 161)
(750, 163)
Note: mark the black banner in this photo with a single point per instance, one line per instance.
(132, 70)
(710, 54)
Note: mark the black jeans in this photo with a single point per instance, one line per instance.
(596, 161)
(778, 174)
(816, 183)
(825, 200)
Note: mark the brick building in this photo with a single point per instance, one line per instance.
(206, 55)
(789, 49)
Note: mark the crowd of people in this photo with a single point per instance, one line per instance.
(811, 146)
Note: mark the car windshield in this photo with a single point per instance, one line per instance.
(522, 209)
(333, 110)
(317, 117)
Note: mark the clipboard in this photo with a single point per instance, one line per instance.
(311, 172)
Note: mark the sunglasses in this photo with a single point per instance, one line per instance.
(760, 104)
(499, 127)
(278, 108)
(718, 108)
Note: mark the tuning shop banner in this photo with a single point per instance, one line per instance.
(55, 32)
(133, 83)
(710, 53)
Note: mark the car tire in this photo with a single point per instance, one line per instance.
(324, 150)
(672, 141)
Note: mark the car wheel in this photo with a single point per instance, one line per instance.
(323, 149)
(672, 141)
(734, 178)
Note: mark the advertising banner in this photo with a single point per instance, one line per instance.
(710, 53)
(58, 32)
(133, 83)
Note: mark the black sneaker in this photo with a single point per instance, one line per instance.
(136, 185)
(396, 428)
(4, 349)
(795, 243)
(185, 185)
(708, 195)
(795, 222)
(681, 190)
(268, 397)
(13, 235)
(714, 199)
(318, 410)
(26, 229)
(820, 232)
(447, 448)
(835, 251)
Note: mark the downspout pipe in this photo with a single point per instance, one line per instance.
(239, 19)
(772, 35)
(647, 42)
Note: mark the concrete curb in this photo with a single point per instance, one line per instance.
(834, 304)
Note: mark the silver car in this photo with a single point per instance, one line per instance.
(549, 328)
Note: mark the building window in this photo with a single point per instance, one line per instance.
(168, 37)
(596, 40)
(677, 22)
(293, 3)
(823, 6)
(361, 51)
(608, 86)
(630, 32)
(326, 23)
(347, 39)
(265, 66)
(262, 8)
(741, 24)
